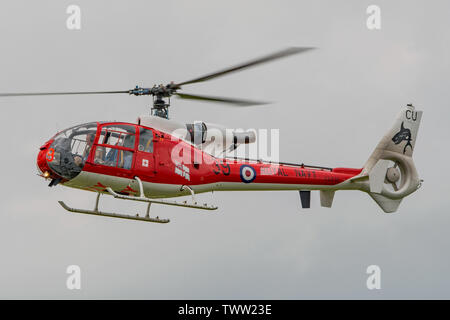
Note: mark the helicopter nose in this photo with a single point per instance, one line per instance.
(42, 164)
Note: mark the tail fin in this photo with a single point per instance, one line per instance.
(391, 170)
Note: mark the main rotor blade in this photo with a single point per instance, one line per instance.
(18, 94)
(232, 101)
(270, 57)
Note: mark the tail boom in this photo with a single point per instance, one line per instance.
(389, 165)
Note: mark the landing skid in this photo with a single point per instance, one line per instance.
(96, 212)
(141, 198)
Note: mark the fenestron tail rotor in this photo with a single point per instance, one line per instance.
(161, 93)
(394, 177)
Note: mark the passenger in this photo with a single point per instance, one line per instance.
(145, 140)
(99, 155)
(111, 158)
(127, 155)
(127, 159)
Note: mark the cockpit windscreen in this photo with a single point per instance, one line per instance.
(71, 149)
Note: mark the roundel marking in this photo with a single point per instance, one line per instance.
(248, 174)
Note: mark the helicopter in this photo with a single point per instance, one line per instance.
(157, 158)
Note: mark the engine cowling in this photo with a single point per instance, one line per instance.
(217, 139)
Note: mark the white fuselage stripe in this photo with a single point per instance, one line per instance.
(88, 180)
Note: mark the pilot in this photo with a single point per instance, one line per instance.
(79, 161)
(89, 142)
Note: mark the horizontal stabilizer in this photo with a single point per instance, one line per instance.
(326, 198)
(305, 198)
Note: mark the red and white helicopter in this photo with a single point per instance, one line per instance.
(157, 158)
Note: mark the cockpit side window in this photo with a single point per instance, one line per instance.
(118, 135)
(145, 140)
(112, 140)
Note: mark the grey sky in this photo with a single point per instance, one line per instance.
(332, 106)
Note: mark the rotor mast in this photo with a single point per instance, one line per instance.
(160, 96)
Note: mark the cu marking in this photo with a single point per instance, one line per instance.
(411, 115)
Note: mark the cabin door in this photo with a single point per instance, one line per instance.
(144, 165)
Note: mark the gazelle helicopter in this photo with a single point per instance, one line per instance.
(157, 158)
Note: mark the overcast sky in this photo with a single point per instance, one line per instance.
(331, 105)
